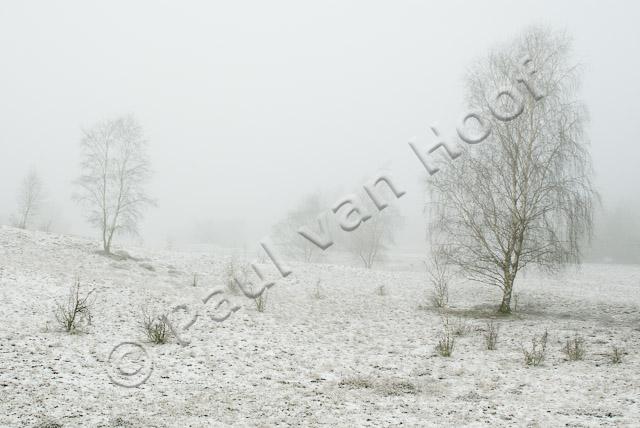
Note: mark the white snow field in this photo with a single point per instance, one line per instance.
(351, 358)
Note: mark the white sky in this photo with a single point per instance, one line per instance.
(249, 106)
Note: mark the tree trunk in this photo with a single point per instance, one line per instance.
(505, 306)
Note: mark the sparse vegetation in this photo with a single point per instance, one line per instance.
(460, 327)
(358, 382)
(49, 423)
(535, 355)
(446, 341)
(491, 336)
(154, 327)
(397, 387)
(75, 313)
(233, 270)
(439, 276)
(516, 300)
(317, 291)
(616, 355)
(261, 301)
(574, 348)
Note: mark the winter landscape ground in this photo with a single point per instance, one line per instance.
(341, 354)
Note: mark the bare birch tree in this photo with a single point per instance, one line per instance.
(372, 239)
(286, 231)
(524, 196)
(115, 168)
(30, 199)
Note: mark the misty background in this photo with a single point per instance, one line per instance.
(251, 106)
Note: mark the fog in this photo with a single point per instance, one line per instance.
(250, 106)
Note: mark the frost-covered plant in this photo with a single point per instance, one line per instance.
(491, 336)
(76, 311)
(359, 382)
(446, 341)
(616, 355)
(233, 269)
(460, 327)
(317, 291)
(574, 348)
(49, 423)
(261, 301)
(535, 355)
(154, 327)
(439, 276)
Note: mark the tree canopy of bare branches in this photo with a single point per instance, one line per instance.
(371, 240)
(30, 198)
(115, 169)
(286, 231)
(525, 195)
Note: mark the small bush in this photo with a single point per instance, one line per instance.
(317, 291)
(574, 348)
(358, 382)
(447, 341)
(616, 355)
(445, 344)
(261, 302)
(49, 423)
(535, 355)
(76, 311)
(460, 327)
(439, 276)
(234, 270)
(397, 388)
(154, 327)
(516, 299)
(491, 336)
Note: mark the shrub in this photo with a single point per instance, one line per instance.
(460, 328)
(234, 270)
(154, 327)
(49, 423)
(446, 341)
(261, 302)
(317, 291)
(358, 382)
(491, 336)
(439, 276)
(516, 299)
(397, 387)
(616, 355)
(574, 348)
(76, 311)
(535, 355)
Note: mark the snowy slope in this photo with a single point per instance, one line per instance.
(351, 358)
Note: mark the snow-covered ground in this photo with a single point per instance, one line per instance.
(351, 358)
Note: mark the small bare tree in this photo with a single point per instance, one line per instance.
(30, 199)
(286, 234)
(371, 240)
(155, 327)
(115, 169)
(524, 196)
(76, 311)
(439, 273)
